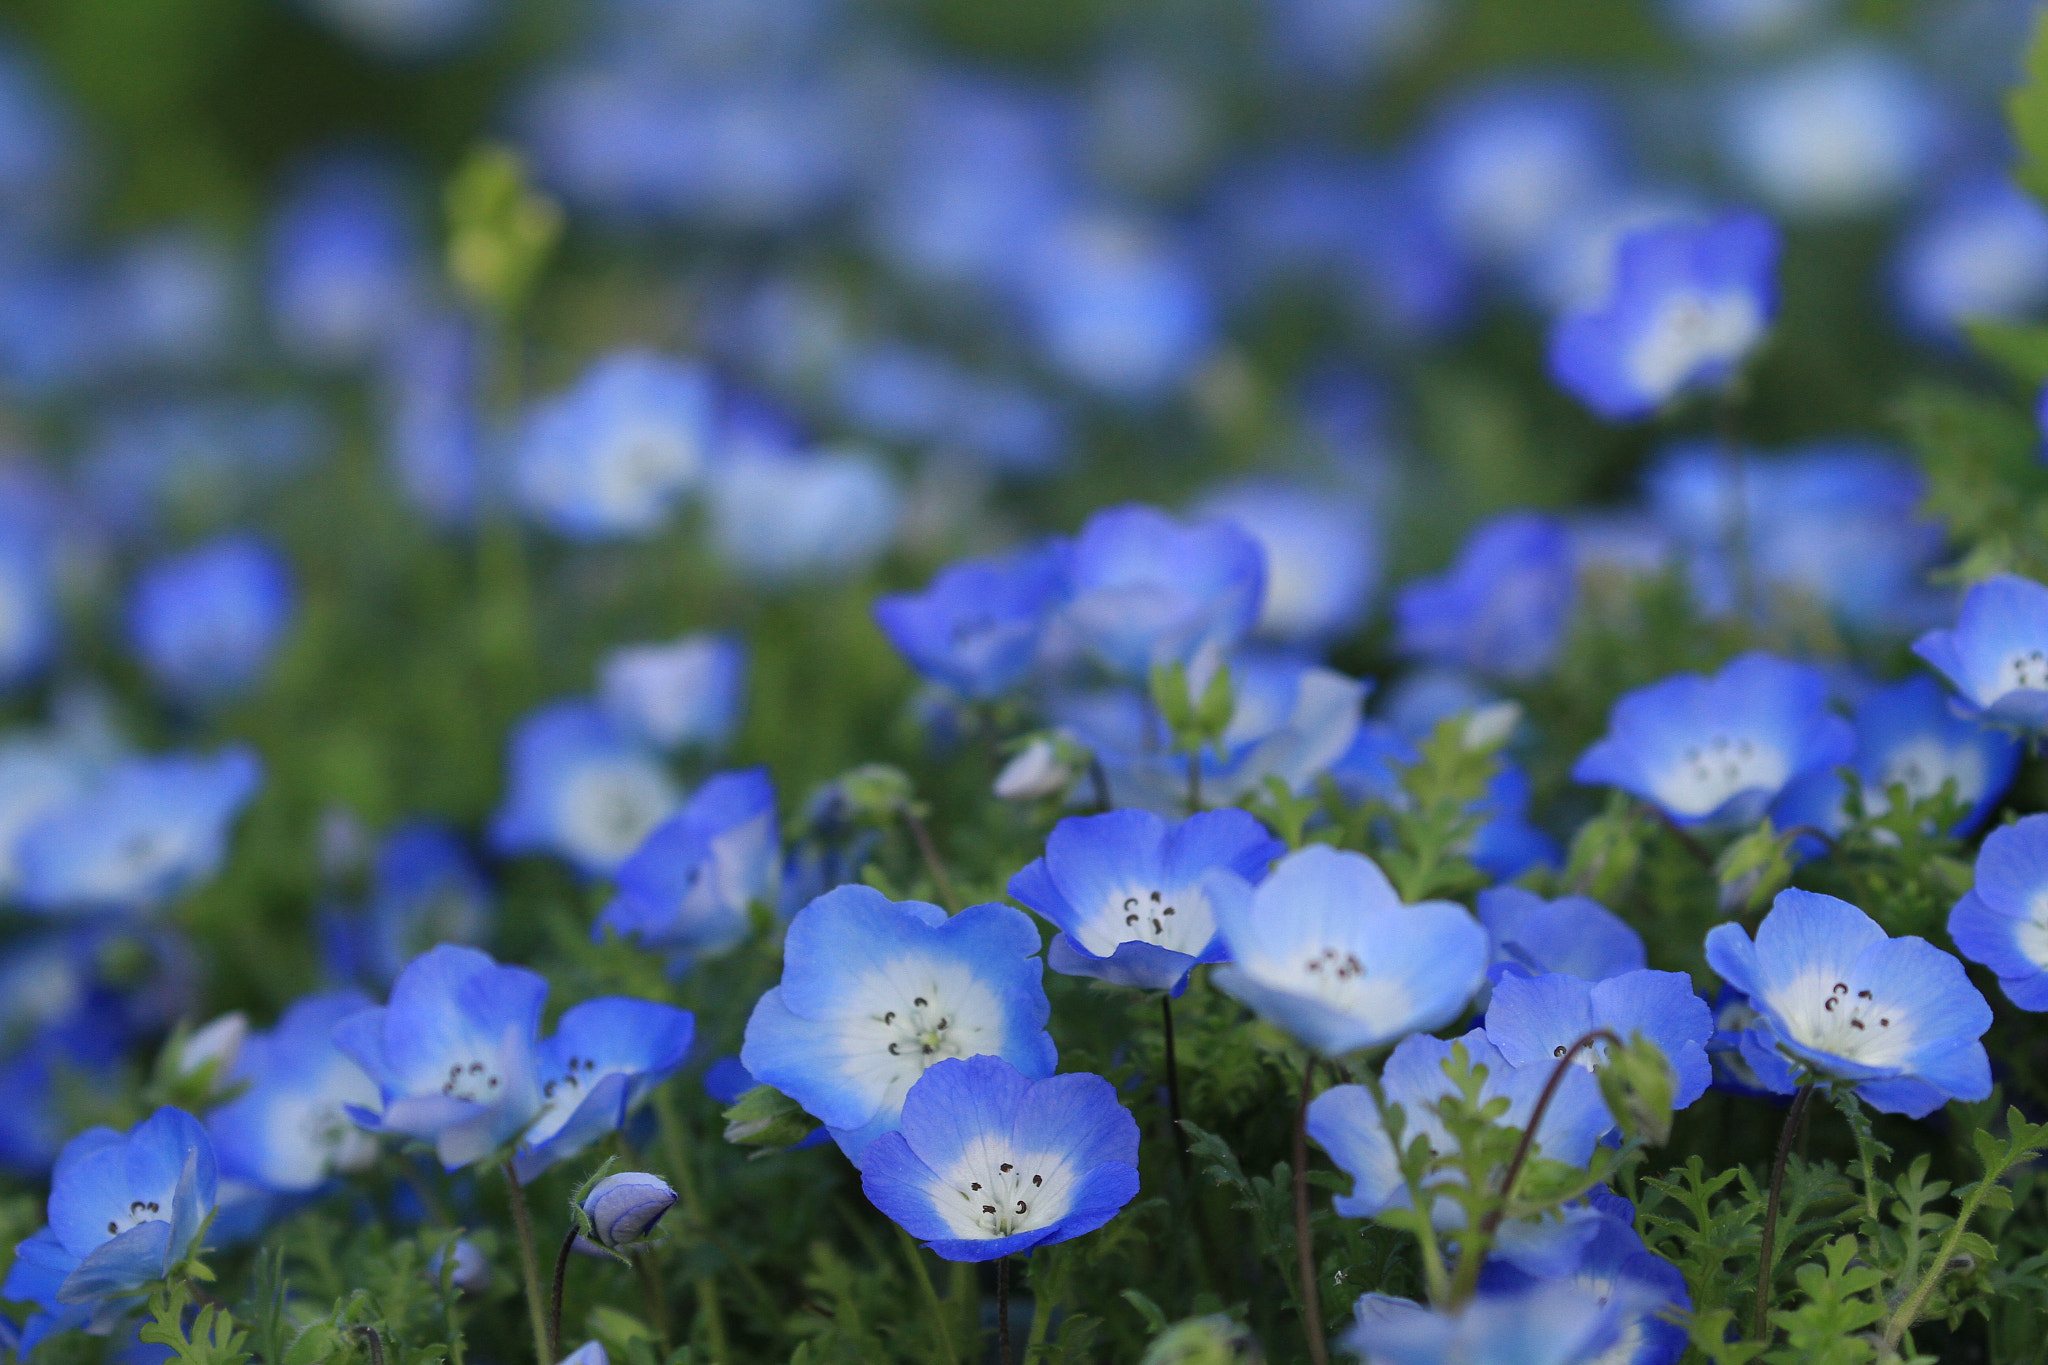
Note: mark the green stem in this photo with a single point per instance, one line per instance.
(915, 1255)
(1304, 1243)
(1908, 1312)
(1760, 1318)
(1436, 1279)
(1866, 1148)
(529, 1265)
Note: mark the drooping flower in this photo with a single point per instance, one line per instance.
(1996, 656)
(611, 457)
(453, 1054)
(124, 1209)
(2002, 921)
(989, 1161)
(580, 787)
(290, 1129)
(624, 1208)
(1908, 734)
(1572, 934)
(977, 627)
(1324, 948)
(689, 887)
(1344, 1122)
(1126, 890)
(206, 623)
(1687, 304)
(874, 992)
(1534, 1020)
(605, 1058)
(683, 694)
(1502, 610)
(1717, 751)
(1839, 1001)
(142, 834)
(1148, 589)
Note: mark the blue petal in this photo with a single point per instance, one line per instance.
(1664, 1009)
(120, 1265)
(1145, 966)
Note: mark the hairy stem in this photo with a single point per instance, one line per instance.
(555, 1294)
(1304, 1244)
(1003, 1310)
(929, 851)
(1908, 1312)
(1760, 1318)
(529, 1265)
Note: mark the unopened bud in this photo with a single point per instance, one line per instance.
(1212, 1340)
(1043, 767)
(624, 1208)
(765, 1117)
(1636, 1082)
(1753, 869)
(1489, 727)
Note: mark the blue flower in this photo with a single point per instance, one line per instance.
(977, 627)
(424, 889)
(1324, 948)
(1553, 1323)
(1980, 251)
(611, 457)
(605, 1058)
(1502, 610)
(290, 1129)
(1717, 751)
(683, 694)
(1896, 1018)
(1126, 891)
(344, 262)
(690, 886)
(453, 1055)
(28, 598)
(1688, 302)
(1148, 589)
(1737, 24)
(207, 622)
(1996, 657)
(408, 29)
(1345, 1123)
(1572, 934)
(875, 991)
(1534, 1020)
(1908, 734)
(1613, 1267)
(1345, 41)
(430, 397)
(1116, 305)
(778, 515)
(2002, 921)
(1322, 555)
(124, 1209)
(990, 1161)
(580, 787)
(142, 834)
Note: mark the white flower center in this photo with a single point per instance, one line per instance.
(1692, 330)
(608, 809)
(473, 1080)
(1846, 1020)
(1002, 1193)
(563, 1092)
(917, 1012)
(139, 1211)
(1178, 919)
(2024, 669)
(1709, 773)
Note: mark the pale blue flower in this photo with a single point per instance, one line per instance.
(691, 886)
(290, 1129)
(611, 457)
(1534, 1020)
(683, 694)
(2002, 921)
(580, 787)
(1996, 656)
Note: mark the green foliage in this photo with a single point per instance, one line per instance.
(501, 230)
(211, 1338)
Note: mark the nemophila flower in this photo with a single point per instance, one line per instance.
(683, 694)
(1344, 1122)
(453, 1055)
(1846, 131)
(134, 839)
(1980, 251)
(344, 261)
(990, 1161)
(430, 399)
(471, 1273)
(1322, 554)
(2002, 921)
(42, 771)
(1688, 301)
(1148, 589)
(124, 1209)
(625, 1208)
(1734, 1017)
(604, 1059)
(28, 601)
(579, 786)
(206, 623)
(1324, 949)
(290, 1129)
(1996, 656)
(1735, 24)
(405, 29)
(874, 992)
(1573, 267)
(1503, 163)
(1643, 1291)
(690, 886)
(1126, 890)
(610, 457)
(1116, 305)
(1572, 934)
(779, 515)
(1534, 1020)
(1506, 844)
(1553, 1323)
(1908, 734)
(1502, 609)
(976, 628)
(1718, 750)
(1342, 41)
(1837, 1000)
(166, 302)
(425, 889)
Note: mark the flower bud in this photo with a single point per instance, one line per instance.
(624, 1208)
(1045, 766)
(217, 1045)
(1753, 869)
(589, 1353)
(765, 1117)
(1636, 1082)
